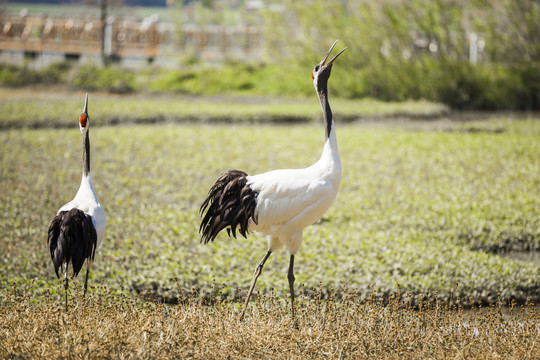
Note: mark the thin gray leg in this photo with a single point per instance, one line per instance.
(256, 274)
(291, 278)
(66, 285)
(88, 263)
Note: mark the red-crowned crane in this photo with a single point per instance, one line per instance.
(78, 228)
(279, 203)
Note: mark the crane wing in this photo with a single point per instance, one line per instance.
(72, 238)
(285, 194)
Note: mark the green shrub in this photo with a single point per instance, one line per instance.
(232, 77)
(111, 79)
(460, 85)
(529, 85)
(385, 62)
(13, 76)
(55, 73)
(8, 75)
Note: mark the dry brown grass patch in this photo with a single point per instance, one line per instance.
(117, 326)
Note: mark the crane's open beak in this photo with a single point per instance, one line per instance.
(323, 62)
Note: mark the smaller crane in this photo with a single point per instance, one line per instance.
(78, 228)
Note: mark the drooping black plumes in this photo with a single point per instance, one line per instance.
(72, 238)
(230, 204)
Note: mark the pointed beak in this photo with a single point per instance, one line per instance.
(323, 62)
(83, 119)
(85, 110)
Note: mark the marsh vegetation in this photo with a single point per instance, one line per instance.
(425, 210)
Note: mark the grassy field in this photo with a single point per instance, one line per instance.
(426, 208)
(410, 200)
(44, 108)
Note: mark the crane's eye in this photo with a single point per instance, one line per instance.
(316, 68)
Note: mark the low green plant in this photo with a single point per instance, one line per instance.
(18, 76)
(39, 109)
(422, 205)
(111, 79)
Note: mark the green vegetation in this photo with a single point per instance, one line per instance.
(13, 76)
(422, 207)
(111, 79)
(398, 51)
(24, 108)
(88, 77)
(473, 86)
(417, 49)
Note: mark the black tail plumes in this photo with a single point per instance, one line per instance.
(230, 204)
(72, 237)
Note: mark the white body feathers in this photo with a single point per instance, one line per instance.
(86, 201)
(289, 200)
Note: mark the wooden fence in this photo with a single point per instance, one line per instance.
(121, 37)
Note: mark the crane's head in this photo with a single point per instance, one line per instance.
(84, 119)
(321, 71)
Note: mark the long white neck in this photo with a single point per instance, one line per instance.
(330, 161)
(86, 190)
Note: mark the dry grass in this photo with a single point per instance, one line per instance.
(111, 325)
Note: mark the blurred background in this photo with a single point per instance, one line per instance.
(480, 55)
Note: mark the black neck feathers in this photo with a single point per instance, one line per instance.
(328, 118)
(86, 153)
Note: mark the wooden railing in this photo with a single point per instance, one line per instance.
(123, 37)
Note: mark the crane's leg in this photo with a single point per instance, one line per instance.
(256, 274)
(66, 285)
(88, 264)
(291, 278)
